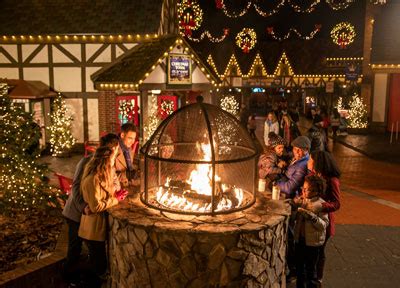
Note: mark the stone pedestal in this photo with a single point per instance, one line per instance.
(149, 248)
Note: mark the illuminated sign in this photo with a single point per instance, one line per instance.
(179, 69)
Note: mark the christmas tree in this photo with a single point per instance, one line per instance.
(357, 113)
(21, 185)
(61, 139)
(229, 104)
(153, 120)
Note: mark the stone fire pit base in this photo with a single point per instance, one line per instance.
(149, 248)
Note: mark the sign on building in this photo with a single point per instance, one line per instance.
(179, 69)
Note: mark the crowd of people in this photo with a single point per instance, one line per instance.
(308, 177)
(100, 181)
(299, 165)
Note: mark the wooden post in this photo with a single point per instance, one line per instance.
(391, 133)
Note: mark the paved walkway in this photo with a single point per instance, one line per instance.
(365, 251)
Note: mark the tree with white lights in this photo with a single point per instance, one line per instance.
(61, 139)
(357, 113)
(21, 178)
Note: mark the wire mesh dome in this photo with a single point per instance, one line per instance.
(200, 160)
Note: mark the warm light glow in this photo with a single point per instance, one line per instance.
(200, 180)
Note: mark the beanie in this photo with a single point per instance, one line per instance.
(302, 142)
(275, 140)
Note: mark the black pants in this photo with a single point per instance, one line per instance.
(306, 264)
(98, 257)
(74, 248)
(321, 260)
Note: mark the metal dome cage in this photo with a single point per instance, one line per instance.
(199, 161)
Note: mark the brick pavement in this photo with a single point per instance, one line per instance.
(365, 251)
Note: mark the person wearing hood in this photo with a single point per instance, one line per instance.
(269, 165)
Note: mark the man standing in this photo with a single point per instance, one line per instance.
(125, 164)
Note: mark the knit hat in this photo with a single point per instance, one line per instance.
(302, 142)
(275, 140)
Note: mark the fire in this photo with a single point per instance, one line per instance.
(198, 197)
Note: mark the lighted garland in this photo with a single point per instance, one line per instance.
(246, 39)
(190, 16)
(229, 104)
(310, 36)
(298, 9)
(334, 4)
(209, 36)
(343, 34)
(339, 4)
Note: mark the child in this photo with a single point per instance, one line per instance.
(309, 231)
(269, 165)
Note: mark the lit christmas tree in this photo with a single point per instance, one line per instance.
(229, 104)
(153, 120)
(61, 139)
(357, 113)
(21, 185)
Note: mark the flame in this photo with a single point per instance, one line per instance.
(200, 181)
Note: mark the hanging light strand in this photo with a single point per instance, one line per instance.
(209, 36)
(333, 4)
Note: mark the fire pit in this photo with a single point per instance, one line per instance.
(200, 160)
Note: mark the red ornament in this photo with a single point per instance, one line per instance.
(318, 27)
(270, 30)
(226, 31)
(219, 4)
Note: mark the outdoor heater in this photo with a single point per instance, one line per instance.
(199, 161)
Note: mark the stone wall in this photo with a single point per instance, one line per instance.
(149, 248)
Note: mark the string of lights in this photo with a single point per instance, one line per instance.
(209, 36)
(294, 31)
(21, 177)
(333, 4)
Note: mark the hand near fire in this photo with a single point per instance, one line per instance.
(121, 194)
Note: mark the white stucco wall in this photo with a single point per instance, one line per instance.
(75, 109)
(67, 79)
(37, 74)
(379, 97)
(93, 119)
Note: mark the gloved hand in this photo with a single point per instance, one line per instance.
(121, 194)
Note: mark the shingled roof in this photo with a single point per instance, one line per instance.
(134, 64)
(386, 37)
(30, 17)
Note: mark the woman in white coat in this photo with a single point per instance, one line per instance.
(271, 125)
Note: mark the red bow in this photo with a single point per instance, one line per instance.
(219, 4)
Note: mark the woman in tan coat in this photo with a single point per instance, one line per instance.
(99, 193)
